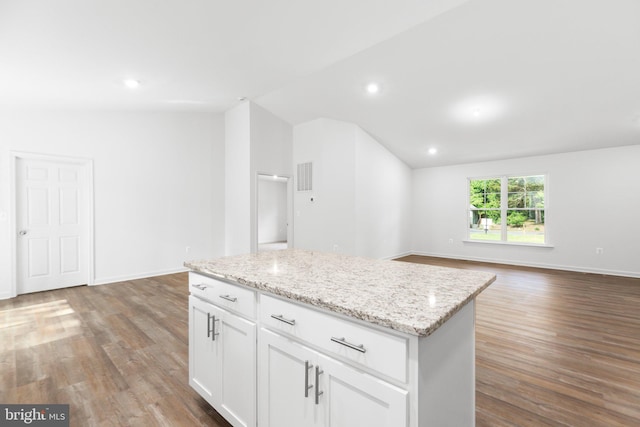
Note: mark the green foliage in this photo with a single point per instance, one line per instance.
(525, 200)
(484, 194)
(516, 218)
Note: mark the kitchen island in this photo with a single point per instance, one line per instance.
(308, 338)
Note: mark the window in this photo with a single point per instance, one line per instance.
(507, 209)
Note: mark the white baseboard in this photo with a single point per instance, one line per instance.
(578, 269)
(115, 279)
(398, 255)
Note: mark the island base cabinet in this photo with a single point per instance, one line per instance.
(222, 361)
(300, 387)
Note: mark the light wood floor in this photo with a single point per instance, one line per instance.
(118, 354)
(552, 349)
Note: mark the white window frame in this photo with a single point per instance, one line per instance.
(504, 208)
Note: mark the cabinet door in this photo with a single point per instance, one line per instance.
(237, 381)
(286, 378)
(202, 350)
(222, 361)
(352, 398)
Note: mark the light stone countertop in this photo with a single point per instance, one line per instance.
(408, 297)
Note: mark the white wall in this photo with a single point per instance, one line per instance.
(328, 222)
(271, 154)
(593, 201)
(158, 184)
(256, 142)
(382, 200)
(361, 192)
(272, 211)
(237, 180)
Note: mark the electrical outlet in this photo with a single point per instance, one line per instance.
(599, 251)
(336, 248)
(451, 241)
(187, 249)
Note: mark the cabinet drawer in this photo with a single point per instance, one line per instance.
(375, 349)
(223, 294)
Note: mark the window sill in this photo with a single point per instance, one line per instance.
(496, 242)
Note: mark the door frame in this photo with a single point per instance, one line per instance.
(87, 165)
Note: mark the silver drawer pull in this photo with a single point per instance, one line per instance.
(201, 287)
(282, 319)
(229, 298)
(318, 392)
(211, 330)
(342, 341)
(307, 387)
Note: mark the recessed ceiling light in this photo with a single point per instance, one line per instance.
(373, 88)
(433, 151)
(478, 109)
(131, 83)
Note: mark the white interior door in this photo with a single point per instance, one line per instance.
(52, 225)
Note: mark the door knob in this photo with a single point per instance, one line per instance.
(22, 232)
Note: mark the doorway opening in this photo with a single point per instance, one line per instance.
(273, 219)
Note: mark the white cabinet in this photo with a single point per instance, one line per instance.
(267, 361)
(303, 387)
(353, 398)
(222, 360)
(202, 349)
(286, 381)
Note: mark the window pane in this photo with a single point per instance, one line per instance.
(484, 193)
(516, 200)
(526, 226)
(526, 192)
(484, 225)
(516, 184)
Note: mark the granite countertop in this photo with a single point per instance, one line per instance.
(408, 297)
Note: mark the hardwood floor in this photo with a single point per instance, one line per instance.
(118, 354)
(553, 348)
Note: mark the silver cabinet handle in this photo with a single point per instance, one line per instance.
(318, 392)
(201, 287)
(345, 343)
(282, 319)
(307, 387)
(23, 232)
(229, 298)
(211, 327)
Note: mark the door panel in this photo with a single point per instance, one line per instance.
(203, 349)
(352, 397)
(238, 360)
(39, 257)
(282, 383)
(38, 205)
(69, 254)
(53, 225)
(69, 206)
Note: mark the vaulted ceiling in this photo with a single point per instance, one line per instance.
(474, 80)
